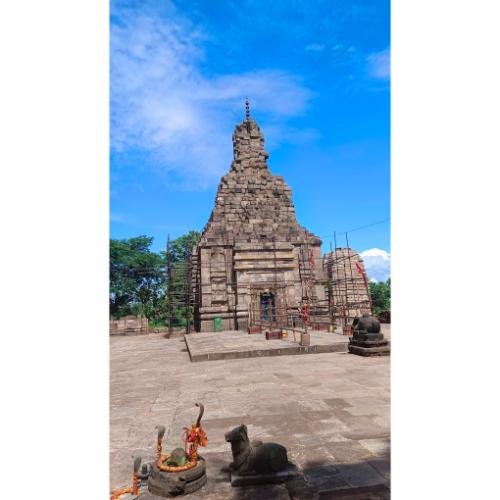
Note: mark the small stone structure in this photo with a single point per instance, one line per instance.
(367, 339)
(129, 325)
(253, 257)
(347, 284)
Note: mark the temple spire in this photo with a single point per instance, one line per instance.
(247, 109)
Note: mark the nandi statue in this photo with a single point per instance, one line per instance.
(366, 324)
(367, 338)
(255, 457)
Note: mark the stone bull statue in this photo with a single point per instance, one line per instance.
(255, 457)
(366, 324)
(367, 339)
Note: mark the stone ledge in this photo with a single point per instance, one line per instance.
(227, 348)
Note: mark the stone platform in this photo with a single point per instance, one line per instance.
(239, 344)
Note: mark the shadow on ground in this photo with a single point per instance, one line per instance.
(318, 480)
(322, 480)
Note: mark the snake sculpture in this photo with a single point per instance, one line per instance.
(181, 459)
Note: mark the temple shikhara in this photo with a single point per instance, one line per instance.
(255, 263)
(347, 284)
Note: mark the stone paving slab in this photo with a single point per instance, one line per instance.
(237, 344)
(331, 411)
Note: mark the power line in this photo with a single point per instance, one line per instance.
(358, 228)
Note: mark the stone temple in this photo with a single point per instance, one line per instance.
(254, 263)
(348, 287)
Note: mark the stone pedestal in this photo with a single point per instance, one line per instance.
(171, 484)
(291, 472)
(383, 350)
(369, 344)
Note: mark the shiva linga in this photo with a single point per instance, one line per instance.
(182, 470)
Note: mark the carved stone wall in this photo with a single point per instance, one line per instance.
(252, 241)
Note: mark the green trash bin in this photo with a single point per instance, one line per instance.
(217, 324)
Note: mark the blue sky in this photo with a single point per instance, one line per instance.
(317, 76)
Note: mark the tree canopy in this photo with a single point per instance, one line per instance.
(182, 247)
(138, 278)
(381, 296)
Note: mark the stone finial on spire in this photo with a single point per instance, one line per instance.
(248, 143)
(247, 109)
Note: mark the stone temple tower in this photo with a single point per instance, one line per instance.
(348, 285)
(254, 263)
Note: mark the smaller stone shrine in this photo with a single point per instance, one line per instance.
(348, 291)
(367, 339)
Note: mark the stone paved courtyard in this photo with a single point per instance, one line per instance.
(330, 410)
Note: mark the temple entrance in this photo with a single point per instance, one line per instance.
(267, 307)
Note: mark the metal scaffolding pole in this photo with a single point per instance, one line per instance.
(187, 275)
(168, 257)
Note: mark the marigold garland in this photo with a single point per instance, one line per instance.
(134, 489)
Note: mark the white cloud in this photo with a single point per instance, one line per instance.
(116, 217)
(163, 104)
(377, 264)
(315, 47)
(376, 252)
(379, 65)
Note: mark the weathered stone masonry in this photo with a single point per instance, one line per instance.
(344, 269)
(252, 245)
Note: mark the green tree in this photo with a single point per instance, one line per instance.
(182, 247)
(381, 296)
(138, 282)
(137, 277)
(180, 255)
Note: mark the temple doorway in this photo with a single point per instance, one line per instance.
(267, 306)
